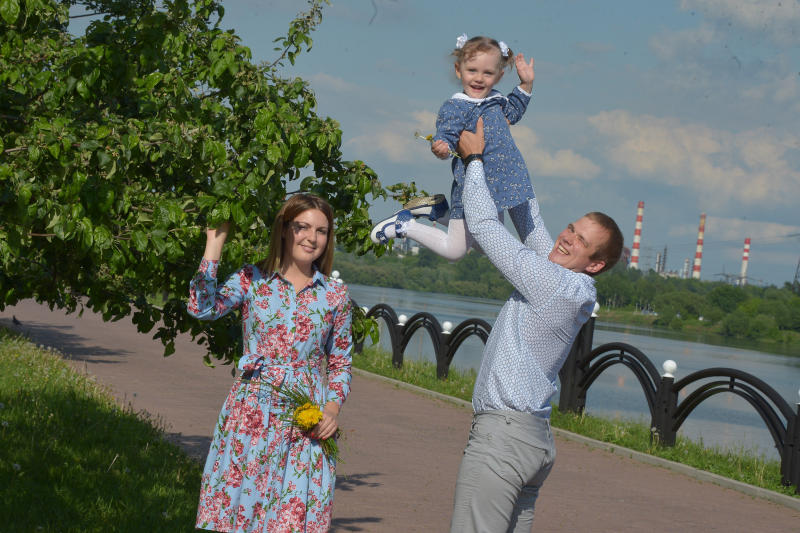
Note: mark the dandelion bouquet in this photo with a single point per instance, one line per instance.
(304, 414)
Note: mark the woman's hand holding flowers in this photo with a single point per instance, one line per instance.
(329, 424)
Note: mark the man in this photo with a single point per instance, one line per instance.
(510, 450)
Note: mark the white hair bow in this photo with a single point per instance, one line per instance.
(461, 41)
(503, 48)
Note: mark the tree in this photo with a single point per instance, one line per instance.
(118, 147)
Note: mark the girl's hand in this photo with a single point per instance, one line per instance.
(525, 72)
(215, 239)
(440, 149)
(329, 424)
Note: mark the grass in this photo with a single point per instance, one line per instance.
(740, 465)
(72, 459)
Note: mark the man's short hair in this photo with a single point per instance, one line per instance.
(611, 250)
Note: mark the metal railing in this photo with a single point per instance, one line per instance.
(584, 365)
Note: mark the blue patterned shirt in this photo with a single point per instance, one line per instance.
(535, 328)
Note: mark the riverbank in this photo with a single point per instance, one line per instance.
(787, 343)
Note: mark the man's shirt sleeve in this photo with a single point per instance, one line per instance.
(531, 273)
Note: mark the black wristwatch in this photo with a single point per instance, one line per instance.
(472, 157)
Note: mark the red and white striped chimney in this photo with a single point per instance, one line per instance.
(745, 260)
(698, 255)
(637, 236)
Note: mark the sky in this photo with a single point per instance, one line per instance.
(691, 106)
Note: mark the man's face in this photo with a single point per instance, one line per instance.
(577, 243)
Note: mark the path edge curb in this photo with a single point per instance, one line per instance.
(700, 475)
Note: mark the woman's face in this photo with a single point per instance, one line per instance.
(305, 237)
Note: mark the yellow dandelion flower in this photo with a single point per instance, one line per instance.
(307, 416)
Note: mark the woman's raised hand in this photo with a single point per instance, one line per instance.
(215, 239)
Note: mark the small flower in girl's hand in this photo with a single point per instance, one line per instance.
(429, 138)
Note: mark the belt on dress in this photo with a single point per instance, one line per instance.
(255, 375)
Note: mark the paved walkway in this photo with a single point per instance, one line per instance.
(402, 448)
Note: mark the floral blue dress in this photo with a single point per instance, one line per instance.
(262, 474)
(506, 173)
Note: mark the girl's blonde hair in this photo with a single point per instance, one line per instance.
(482, 44)
(290, 210)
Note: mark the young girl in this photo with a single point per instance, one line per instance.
(263, 474)
(479, 65)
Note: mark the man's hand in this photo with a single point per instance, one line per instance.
(525, 71)
(440, 149)
(471, 143)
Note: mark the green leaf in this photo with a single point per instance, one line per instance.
(86, 234)
(139, 240)
(103, 158)
(169, 348)
(237, 212)
(273, 153)
(102, 132)
(24, 194)
(9, 10)
(82, 89)
(102, 237)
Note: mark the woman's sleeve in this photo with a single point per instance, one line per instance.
(340, 352)
(207, 301)
(515, 105)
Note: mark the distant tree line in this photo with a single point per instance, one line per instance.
(749, 312)
(473, 275)
(746, 312)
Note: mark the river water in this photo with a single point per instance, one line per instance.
(724, 420)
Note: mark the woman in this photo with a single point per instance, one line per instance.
(262, 474)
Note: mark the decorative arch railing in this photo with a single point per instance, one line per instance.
(446, 340)
(584, 365)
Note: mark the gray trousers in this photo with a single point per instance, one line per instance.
(507, 458)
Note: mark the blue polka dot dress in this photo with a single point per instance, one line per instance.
(506, 174)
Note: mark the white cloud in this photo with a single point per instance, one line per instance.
(673, 45)
(759, 231)
(778, 19)
(560, 163)
(752, 167)
(327, 82)
(783, 91)
(395, 139)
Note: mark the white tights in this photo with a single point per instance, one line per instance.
(454, 243)
(451, 244)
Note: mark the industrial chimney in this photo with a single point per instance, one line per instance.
(698, 255)
(637, 236)
(745, 260)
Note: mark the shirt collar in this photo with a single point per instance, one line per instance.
(461, 96)
(318, 278)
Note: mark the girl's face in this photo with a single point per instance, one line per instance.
(305, 238)
(479, 73)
